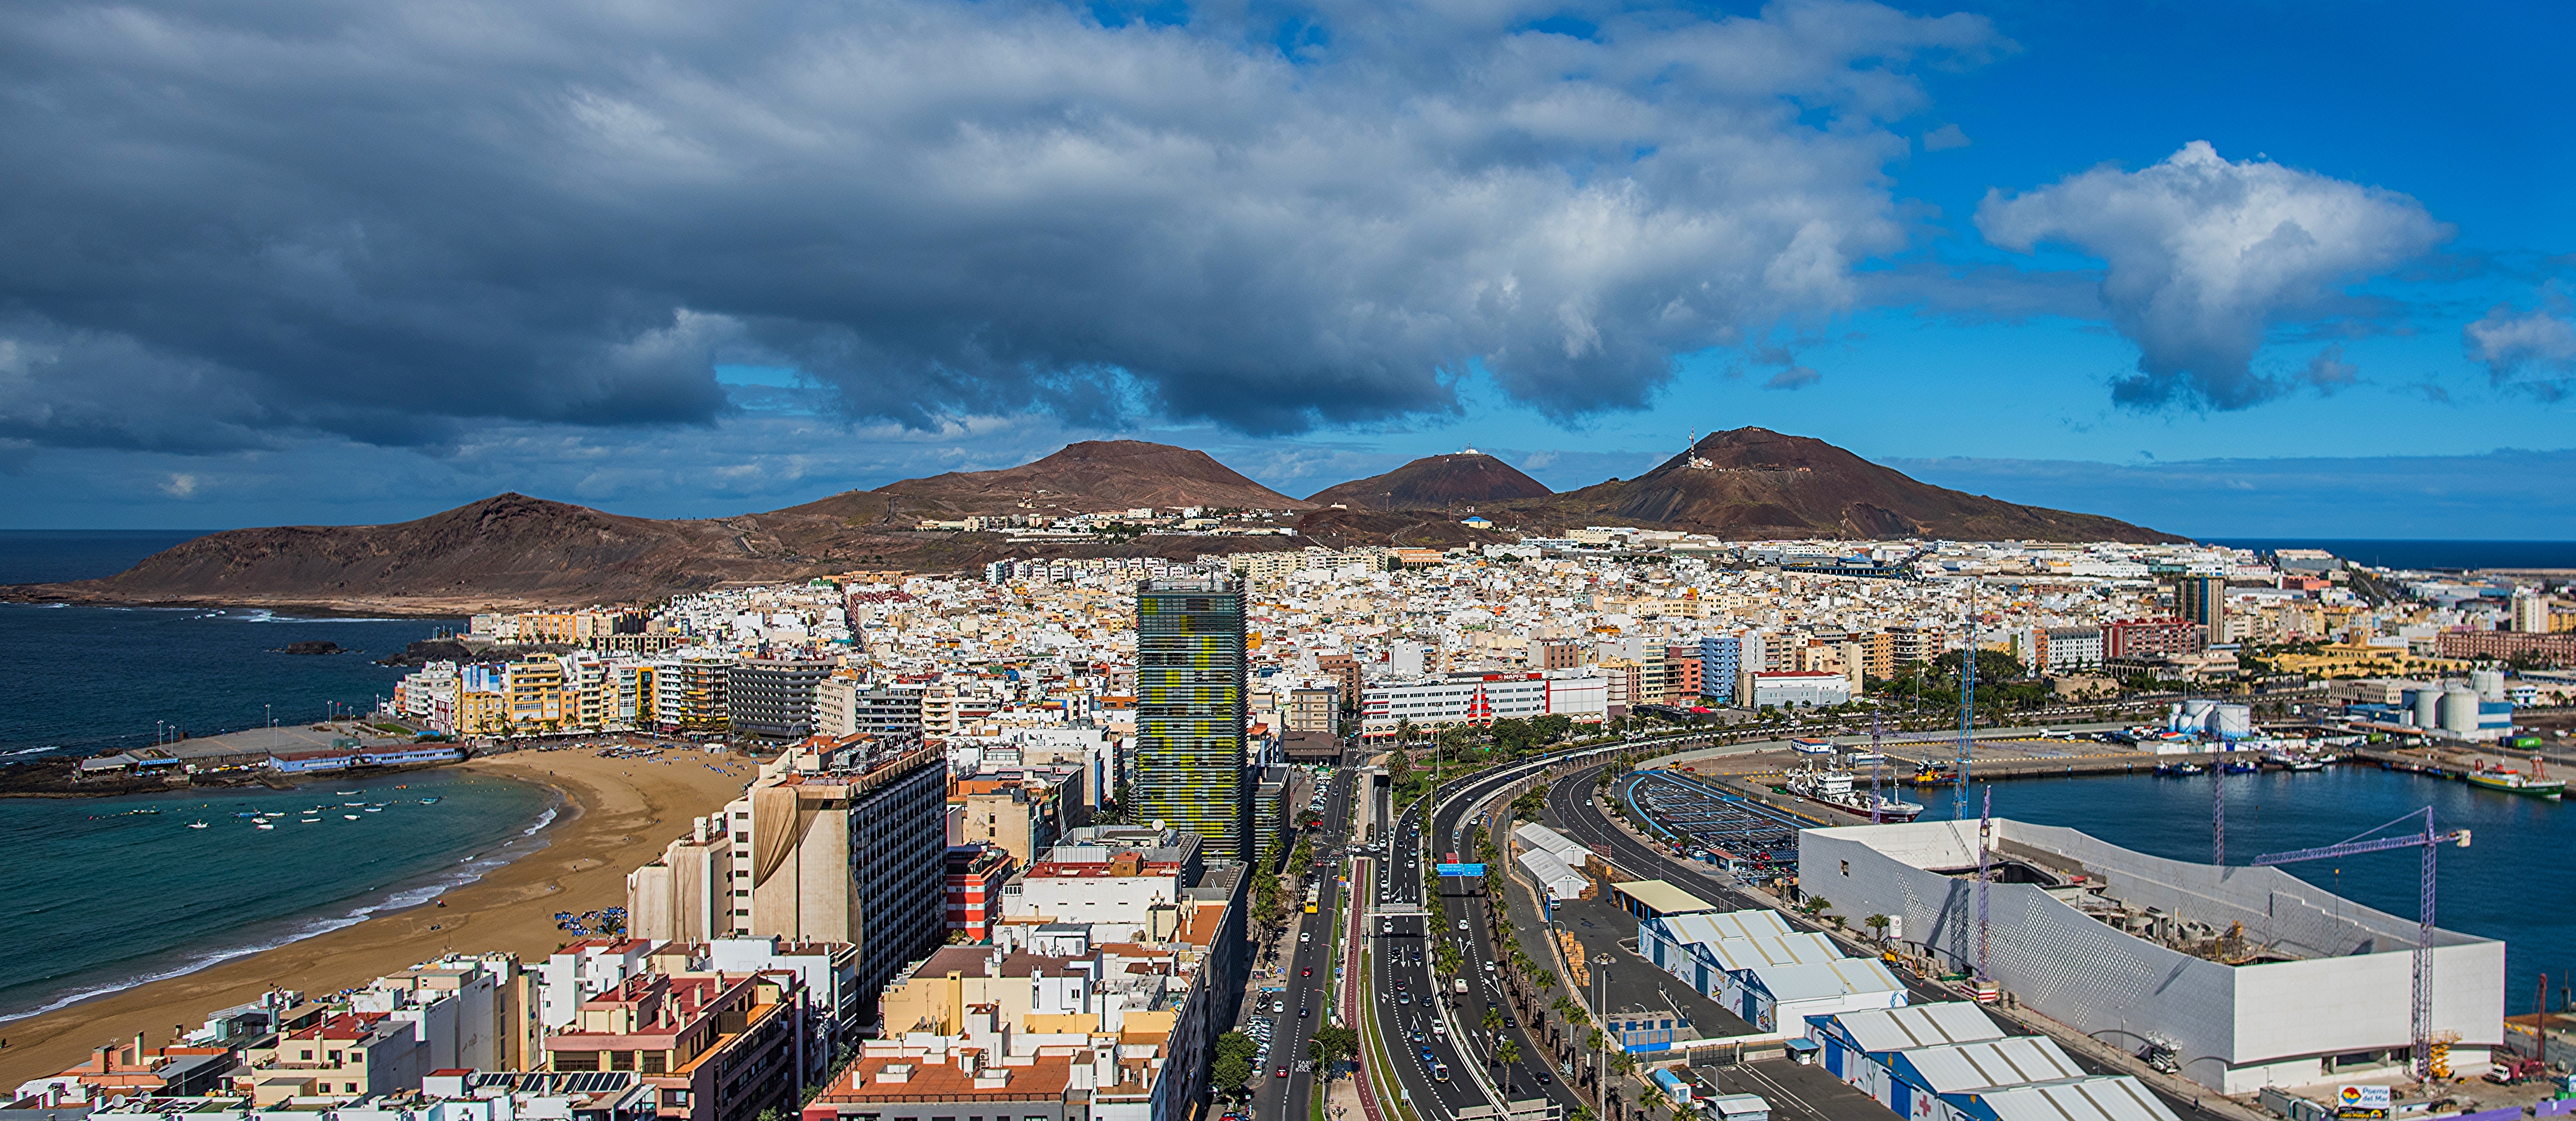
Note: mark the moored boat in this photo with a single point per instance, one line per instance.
(1833, 786)
(2537, 784)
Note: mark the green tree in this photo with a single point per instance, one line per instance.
(1329, 1046)
(1493, 1020)
(1507, 1053)
(1233, 1065)
(1877, 925)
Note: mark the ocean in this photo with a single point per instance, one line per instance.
(86, 680)
(2509, 884)
(2428, 555)
(106, 893)
(103, 896)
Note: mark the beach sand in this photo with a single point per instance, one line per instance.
(619, 814)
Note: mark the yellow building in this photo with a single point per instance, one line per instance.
(2346, 659)
(536, 693)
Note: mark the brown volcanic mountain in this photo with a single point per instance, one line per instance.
(1755, 483)
(1435, 482)
(1094, 476)
(516, 551)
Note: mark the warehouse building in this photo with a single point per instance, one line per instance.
(2252, 976)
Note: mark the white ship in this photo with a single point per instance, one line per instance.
(1832, 785)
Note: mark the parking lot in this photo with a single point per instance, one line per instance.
(1751, 838)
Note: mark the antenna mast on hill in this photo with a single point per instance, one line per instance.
(1691, 457)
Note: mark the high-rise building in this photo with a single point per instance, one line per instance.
(773, 698)
(2530, 612)
(1190, 712)
(848, 849)
(2202, 600)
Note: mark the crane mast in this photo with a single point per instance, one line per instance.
(2430, 840)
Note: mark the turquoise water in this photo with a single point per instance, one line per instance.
(100, 897)
(2512, 883)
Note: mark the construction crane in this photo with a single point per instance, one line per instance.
(2430, 840)
(1967, 710)
(1878, 763)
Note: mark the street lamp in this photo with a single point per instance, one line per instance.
(1601, 1027)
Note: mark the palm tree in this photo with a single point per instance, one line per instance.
(1493, 1018)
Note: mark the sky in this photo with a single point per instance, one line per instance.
(2230, 270)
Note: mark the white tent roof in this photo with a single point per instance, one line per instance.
(1918, 1025)
(2109, 1097)
(1538, 836)
(1720, 926)
(1774, 949)
(1846, 977)
(1550, 872)
(2015, 1061)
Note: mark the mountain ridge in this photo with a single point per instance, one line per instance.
(515, 551)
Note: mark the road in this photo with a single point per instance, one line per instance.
(1306, 996)
(1403, 993)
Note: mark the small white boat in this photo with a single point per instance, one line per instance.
(352, 817)
(196, 825)
(312, 821)
(264, 825)
(375, 809)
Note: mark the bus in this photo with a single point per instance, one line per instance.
(1313, 892)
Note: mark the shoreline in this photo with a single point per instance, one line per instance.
(610, 815)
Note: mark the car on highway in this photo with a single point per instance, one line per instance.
(1542, 1078)
(1309, 971)
(1304, 1011)
(1462, 924)
(1279, 1006)
(1283, 1072)
(1309, 936)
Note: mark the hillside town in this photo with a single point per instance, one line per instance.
(1030, 840)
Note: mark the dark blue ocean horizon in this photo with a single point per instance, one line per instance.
(2425, 554)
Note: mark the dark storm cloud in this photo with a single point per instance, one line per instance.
(221, 222)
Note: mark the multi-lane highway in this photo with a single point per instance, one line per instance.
(1404, 990)
(1305, 997)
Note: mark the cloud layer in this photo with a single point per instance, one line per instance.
(2205, 255)
(397, 221)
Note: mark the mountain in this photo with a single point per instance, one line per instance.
(507, 547)
(1435, 482)
(511, 551)
(1094, 476)
(1753, 483)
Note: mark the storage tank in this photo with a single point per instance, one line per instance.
(2459, 709)
(2427, 704)
(2233, 721)
(2488, 682)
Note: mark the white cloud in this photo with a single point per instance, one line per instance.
(2534, 350)
(1944, 138)
(2205, 255)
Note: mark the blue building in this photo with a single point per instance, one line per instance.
(1721, 658)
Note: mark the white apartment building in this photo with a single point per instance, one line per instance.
(1440, 702)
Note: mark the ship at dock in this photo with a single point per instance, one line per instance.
(1832, 784)
(2537, 784)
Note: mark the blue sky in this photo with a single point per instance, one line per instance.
(2228, 270)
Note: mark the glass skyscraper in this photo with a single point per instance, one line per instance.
(1190, 710)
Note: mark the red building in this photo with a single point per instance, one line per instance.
(2153, 638)
(1682, 675)
(975, 877)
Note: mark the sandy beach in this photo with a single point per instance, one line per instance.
(618, 814)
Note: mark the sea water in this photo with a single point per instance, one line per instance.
(109, 892)
(2510, 884)
(101, 896)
